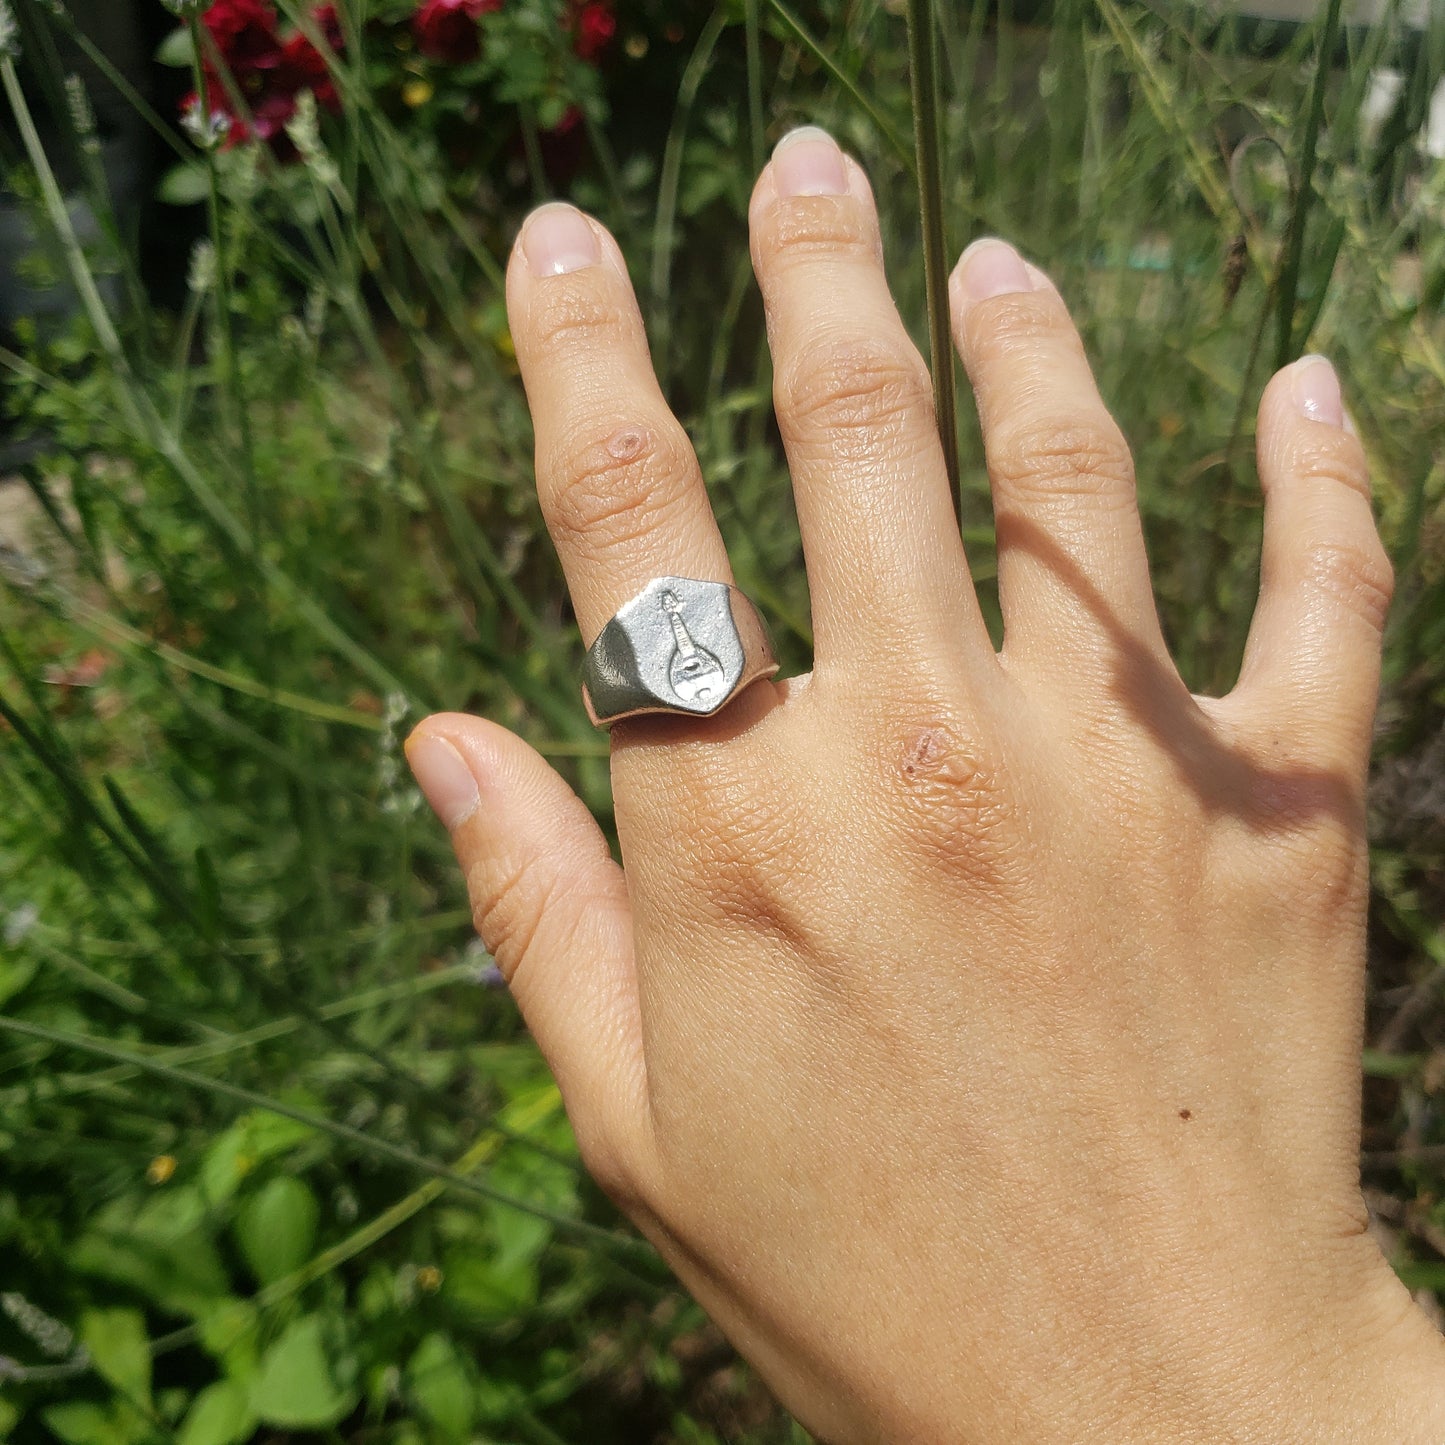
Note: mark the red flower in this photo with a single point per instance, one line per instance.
(245, 34)
(303, 67)
(446, 30)
(596, 25)
(268, 73)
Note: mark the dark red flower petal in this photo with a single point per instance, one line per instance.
(245, 34)
(446, 30)
(596, 27)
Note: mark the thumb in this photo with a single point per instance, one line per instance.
(551, 906)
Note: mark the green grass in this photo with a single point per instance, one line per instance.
(255, 1105)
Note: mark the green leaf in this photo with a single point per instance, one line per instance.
(176, 50)
(250, 1141)
(120, 1347)
(164, 1250)
(208, 893)
(80, 1424)
(440, 1386)
(520, 1238)
(229, 1330)
(488, 1289)
(9, 1418)
(295, 1385)
(277, 1228)
(15, 973)
(84, 1423)
(185, 185)
(220, 1415)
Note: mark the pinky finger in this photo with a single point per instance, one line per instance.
(1311, 668)
(552, 908)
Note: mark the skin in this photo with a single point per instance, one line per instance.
(976, 1033)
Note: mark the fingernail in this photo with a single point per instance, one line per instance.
(445, 778)
(807, 162)
(1317, 390)
(557, 239)
(991, 267)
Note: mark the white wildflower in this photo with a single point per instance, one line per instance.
(305, 132)
(397, 793)
(202, 274)
(52, 1337)
(482, 968)
(19, 568)
(395, 710)
(9, 32)
(206, 127)
(315, 312)
(82, 115)
(20, 922)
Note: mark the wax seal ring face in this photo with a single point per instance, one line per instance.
(680, 646)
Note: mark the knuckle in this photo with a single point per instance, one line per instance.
(611, 491)
(1017, 328)
(1321, 870)
(1337, 460)
(572, 314)
(815, 227)
(851, 383)
(952, 797)
(1356, 574)
(1062, 460)
(507, 911)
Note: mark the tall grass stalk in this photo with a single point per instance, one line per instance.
(664, 229)
(883, 124)
(232, 392)
(928, 152)
(364, 1144)
(1290, 334)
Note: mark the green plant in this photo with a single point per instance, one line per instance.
(277, 1154)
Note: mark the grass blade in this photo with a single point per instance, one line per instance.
(923, 81)
(1286, 332)
(849, 86)
(361, 1142)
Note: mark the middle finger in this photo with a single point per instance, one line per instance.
(886, 568)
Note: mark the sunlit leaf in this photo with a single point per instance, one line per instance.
(119, 1346)
(295, 1385)
(276, 1228)
(220, 1415)
(440, 1385)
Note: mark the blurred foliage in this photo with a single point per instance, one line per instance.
(278, 1157)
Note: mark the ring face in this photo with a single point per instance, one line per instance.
(679, 646)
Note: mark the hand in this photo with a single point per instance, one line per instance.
(975, 1033)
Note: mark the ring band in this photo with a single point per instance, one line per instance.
(679, 646)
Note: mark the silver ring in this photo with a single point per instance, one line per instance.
(679, 646)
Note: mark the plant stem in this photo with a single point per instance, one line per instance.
(923, 83)
(668, 181)
(362, 1142)
(140, 415)
(1285, 349)
(757, 126)
(234, 407)
(849, 86)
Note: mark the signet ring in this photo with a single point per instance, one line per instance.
(679, 646)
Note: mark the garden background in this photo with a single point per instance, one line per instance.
(276, 1157)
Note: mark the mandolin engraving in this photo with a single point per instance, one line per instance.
(694, 674)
